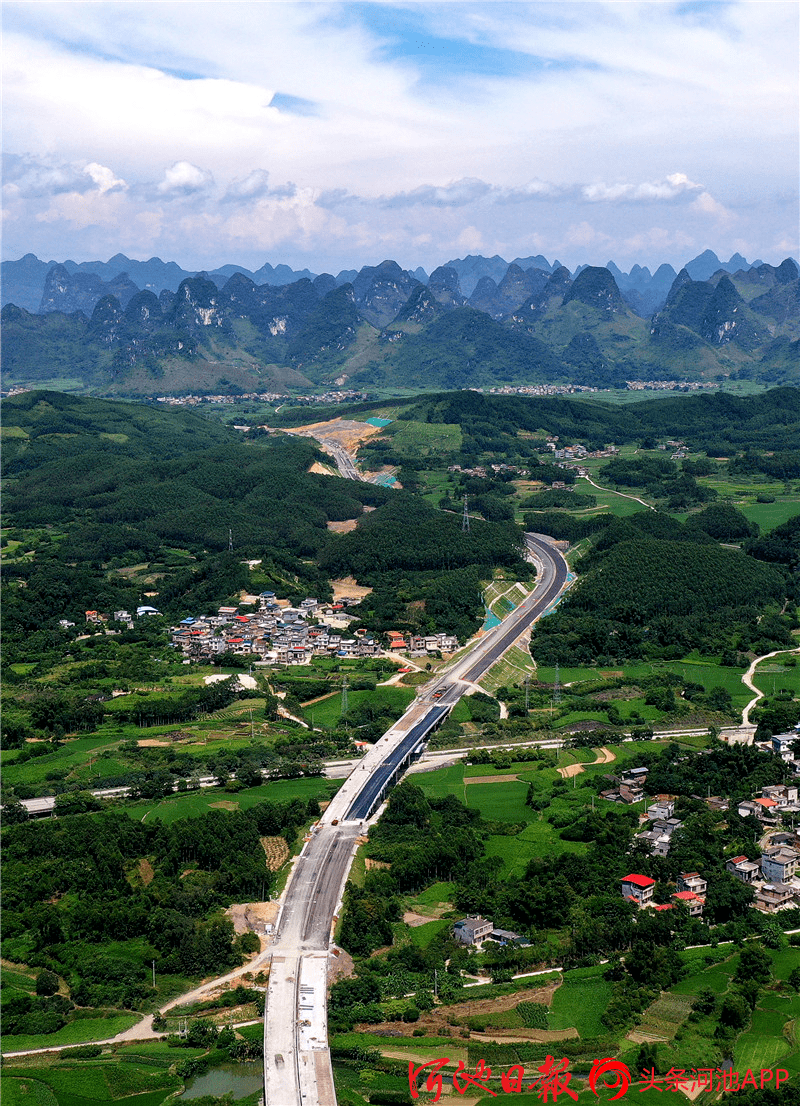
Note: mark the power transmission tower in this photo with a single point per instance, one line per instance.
(556, 687)
(465, 517)
(344, 696)
(230, 541)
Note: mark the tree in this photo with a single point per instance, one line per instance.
(754, 963)
(46, 983)
(13, 812)
(734, 1012)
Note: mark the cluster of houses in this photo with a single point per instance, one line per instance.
(280, 634)
(577, 451)
(691, 889)
(775, 876)
(349, 396)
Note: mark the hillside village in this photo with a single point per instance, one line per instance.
(279, 634)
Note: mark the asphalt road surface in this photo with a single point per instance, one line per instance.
(297, 1066)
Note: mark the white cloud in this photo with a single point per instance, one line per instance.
(183, 178)
(600, 103)
(672, 187)
(104, 178)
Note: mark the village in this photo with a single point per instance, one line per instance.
(280, 634)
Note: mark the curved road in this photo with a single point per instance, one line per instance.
(297, 1064)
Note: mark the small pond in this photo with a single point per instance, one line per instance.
(240, 1080)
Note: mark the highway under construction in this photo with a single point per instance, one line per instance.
(297, 1064)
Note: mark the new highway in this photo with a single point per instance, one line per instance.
(297, 1064)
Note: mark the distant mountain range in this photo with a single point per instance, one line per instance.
(28, 282)
(142, 328)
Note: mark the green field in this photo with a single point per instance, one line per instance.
(765, 1044)
(328, 712)
(773, 675)
(426, 439)
(770, 515)
(85, 1029)
(579, 1003)
(192, 804)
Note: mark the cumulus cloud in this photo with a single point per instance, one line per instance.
(254, 186)
(183, 178)
(105, 178)
(32, 177)
(675, 186)
(456, 194)
(707, 205)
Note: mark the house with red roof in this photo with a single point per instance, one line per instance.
(638, 889)
(693, 902)
(744, 869)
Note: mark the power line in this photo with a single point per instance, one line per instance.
(465, 517)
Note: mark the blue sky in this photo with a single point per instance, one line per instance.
(332, 135)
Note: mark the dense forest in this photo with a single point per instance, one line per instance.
(719, 423)
(653, 587)
(74, 883)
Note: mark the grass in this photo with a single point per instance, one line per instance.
(424, 439)
(327, 713)
(433, 896)
(193, 804)
(580, 1004)
(421, 936)
(772, 675)
(510, 670)
(85, 1029)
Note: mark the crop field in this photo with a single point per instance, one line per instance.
(580, 1004)
(444, 781)
(328, 712)
(85, 1029)
(765, 1042)
(192, 804)
(663, 1017)
(76, 1086)
(716, 978)
(773, 675)
(503, 802)
(20, 980)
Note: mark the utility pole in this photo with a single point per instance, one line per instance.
(465, 517)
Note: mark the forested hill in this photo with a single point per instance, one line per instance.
(119, 499)
(719, 423)
(653, 588)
